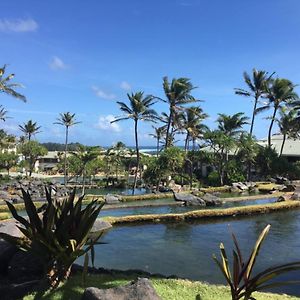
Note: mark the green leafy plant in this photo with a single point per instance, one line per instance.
(58, 235)
(241, 281)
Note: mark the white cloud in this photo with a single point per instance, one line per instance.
(104, 123)
(101, 94)
(125, 86)
(18, 25)
(57, 64)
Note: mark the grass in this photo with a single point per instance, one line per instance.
(167, 289)
(267, 187)
(4, 216)
(214, 189)
(207, 213)
(147, 197)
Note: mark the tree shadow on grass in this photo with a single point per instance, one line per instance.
(74, 288)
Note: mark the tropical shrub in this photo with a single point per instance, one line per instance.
(241, 281)
(59, 235)
(234, 172)
(213, 178)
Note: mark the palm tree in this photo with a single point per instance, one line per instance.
(139, 109)
(178, 93)
(7, 87)
(68, 120)
(231, 125)
(30, 128)
(3, 113)
(288, 125)
(279, 92)
(192, 118)
(256, 88)
(159, 133)
(85, 156)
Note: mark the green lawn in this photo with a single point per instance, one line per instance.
(168, 289)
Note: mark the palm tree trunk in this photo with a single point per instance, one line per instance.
(282, 145)
(186, 142)
(137, 155)
(271, 126)
(83, 182)
(65, 157)
(157, 147)
(253, 115)
(168, 129)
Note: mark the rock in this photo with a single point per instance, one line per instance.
(188, 199)
(164, 189)
(284, 198)
(24, 265)
(295, 196)
(235, 190)
(18, 291)
(282, 180)
(211, 200)
(10, 227)
(111, 199)
(7, 251)
(241, 186)
(141, 289)
(289, 188)
(99, 226)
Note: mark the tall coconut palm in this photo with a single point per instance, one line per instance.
(232, 125)
(288, 125)
(7, 87)
(30, 128)
(67, 120)
(192, 124)
(85, 156)
(139, 109)
(159, 133)
(256, 89)
(279, 92)
(3, 113)
(178, 93)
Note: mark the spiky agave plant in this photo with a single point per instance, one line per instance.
(242, 283)
(58, 235)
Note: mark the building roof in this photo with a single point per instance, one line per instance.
(291, 146)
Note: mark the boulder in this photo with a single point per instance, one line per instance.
(7, 251)
(289, 188)
(295, 196)
(282, 180)
(283, 198)
(99, 226)
(211, 200)
(141, 289)
(188, 199)
(239, 185)
(24, 265)
(111, 199)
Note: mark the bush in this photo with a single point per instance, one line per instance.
(59, 236)
(234, 172)
(213, 178)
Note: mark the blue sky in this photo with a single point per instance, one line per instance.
(83, 56)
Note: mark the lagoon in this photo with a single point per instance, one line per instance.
(185, 249)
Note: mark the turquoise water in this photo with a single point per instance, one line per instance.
(185, 249)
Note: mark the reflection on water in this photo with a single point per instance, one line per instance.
(185, 249)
